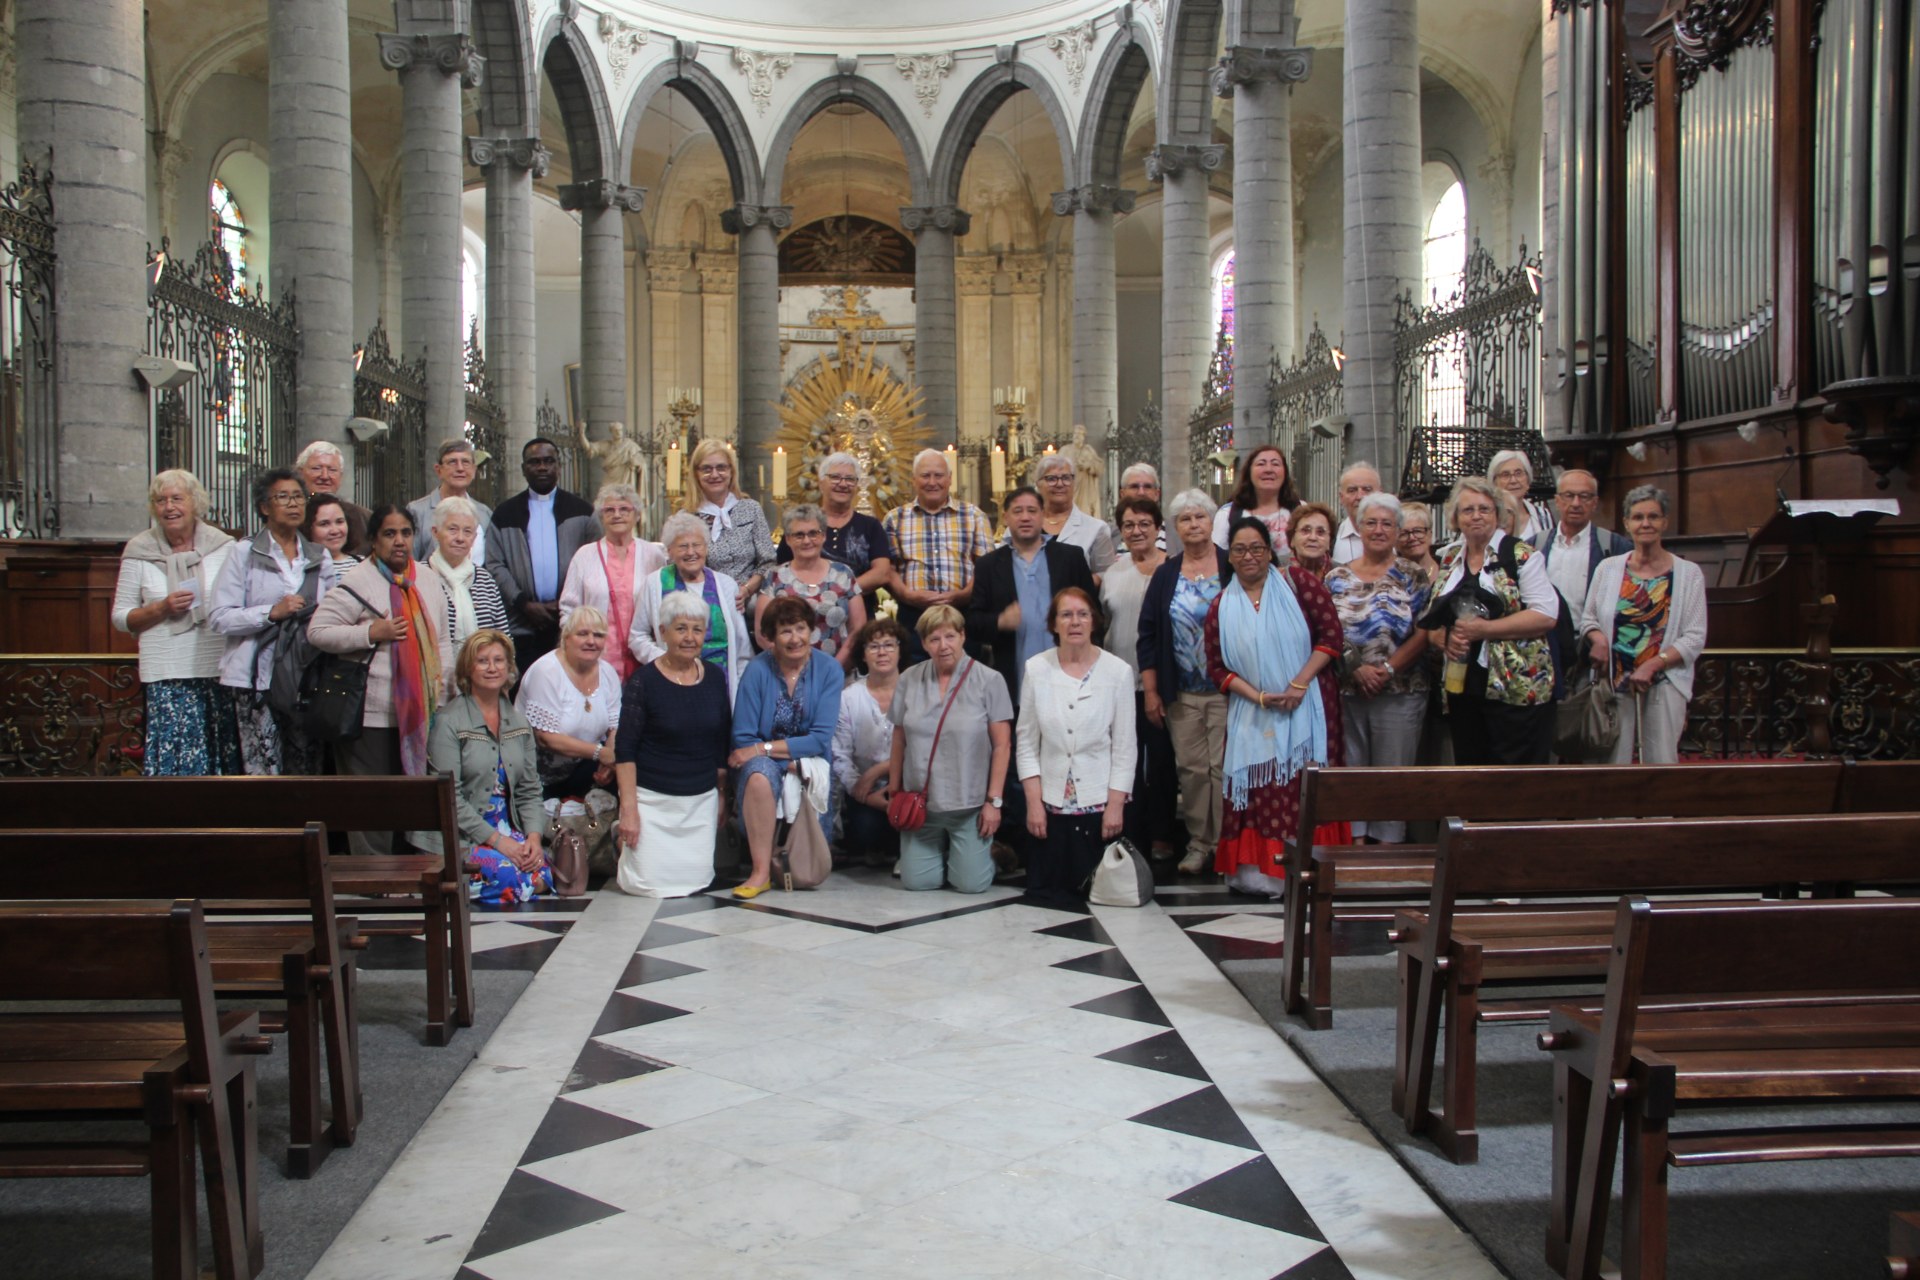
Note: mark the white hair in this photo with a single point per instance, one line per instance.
(613, 490)
(833, 460)
(681, 523)
(936, 455)
(1505, 456)
(1191, 500)
(676, 605)
(1050, 463)
(1352, 467)
(1140, 468)
(581, 618)
(450, 507)
(1378, 498)
(313, 450)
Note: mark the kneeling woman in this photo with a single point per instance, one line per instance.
(486, 746)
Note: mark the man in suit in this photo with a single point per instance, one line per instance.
(1575, 546)
(321, 467)
(1014, 584)
(535, 533)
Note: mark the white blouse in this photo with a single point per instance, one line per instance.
(193, 654)
(863, 738)
(552, 704)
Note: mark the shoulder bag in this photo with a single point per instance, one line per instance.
(803, 860)
(907, 810)
(333, 689)
(1122, 879)
(1587, 724)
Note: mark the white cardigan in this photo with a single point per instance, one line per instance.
(193, 654)
(1078, 728)
(1686, 614)
(586, 581)
(646, 646)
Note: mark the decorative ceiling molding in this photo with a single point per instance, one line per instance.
(928, 72)
(1072, 47)
(761, 70)
(623, 40)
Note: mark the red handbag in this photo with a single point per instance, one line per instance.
(907, 810)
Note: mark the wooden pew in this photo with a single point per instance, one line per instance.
(433, 885)
(1903, 1246)
(307, 962)
(1321, 876)
(1621, 1074)
(187, 1074)
(1449, 955)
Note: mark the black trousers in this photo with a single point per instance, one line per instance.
(1494, 733)
(1059, 866)
(868, 833)
(1152, 813)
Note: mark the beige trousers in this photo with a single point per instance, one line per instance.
(1198, 725)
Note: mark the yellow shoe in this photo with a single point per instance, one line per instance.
(750, 890)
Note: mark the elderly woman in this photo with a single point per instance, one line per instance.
(726, 645)
(329, 523)
(1646, 622)
(1512, 474)
(863, 743)
(167, 573)
(1076, 752)
(473, 597)
(964, 775)
(853, 538)
(1175, 689)
(1380, 597)
(671, 760)
(1264, 489)
(1053, 476)
(1310, 537)
(1150, 818)
(825, 586)
(571, 697)
(486, 746)
(397, 616)
(742, 542)
(277, 575)
(784, 716)
(609, 573)
(1416, 537)
(1272, 638)
(1492, 612)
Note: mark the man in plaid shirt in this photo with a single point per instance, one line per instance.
(935, 542)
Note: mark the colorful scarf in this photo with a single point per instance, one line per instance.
(714, 648)
(416, 670)
(1267, 647)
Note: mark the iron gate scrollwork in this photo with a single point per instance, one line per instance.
(1307, 416)
(485, 424)
(234, 419)
(1210, 428)
(393, 467)
(29, 441)
(1139, 441)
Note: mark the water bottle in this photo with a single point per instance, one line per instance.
(1464, 606)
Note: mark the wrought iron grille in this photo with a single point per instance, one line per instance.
(576, 469)
(486, 424)
(1753, 703)
(29, 453)
(71, 715)
(1473, 360)
(392, 468)
(1307, 416)
(236, 418)
(1210, 429)
(1139, 441)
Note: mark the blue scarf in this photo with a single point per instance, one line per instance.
(1268, 647)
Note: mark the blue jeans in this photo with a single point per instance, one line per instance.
(948, 847)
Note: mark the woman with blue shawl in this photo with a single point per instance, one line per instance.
(1272, 638)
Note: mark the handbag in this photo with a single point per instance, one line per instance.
(1122, 878)
(803, 859)
(332, 701)
(907, 810)
(1587, 724)
(567, 854)
(589, 837)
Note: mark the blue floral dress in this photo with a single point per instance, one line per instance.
(496, 881)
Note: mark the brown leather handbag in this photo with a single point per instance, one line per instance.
(907, 810)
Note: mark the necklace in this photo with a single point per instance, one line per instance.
(670, 674)
(587, 694)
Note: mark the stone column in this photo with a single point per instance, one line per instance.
(82, 116)
(667, 270)
(511, 165)
(310, 114)
(936, 321)
(1260, 81)
(603, 295)
(759, 323)
(973, 283)
(433, 69)
(721, 343)
(1381, 140)
(1186, 296)
(1096, 350)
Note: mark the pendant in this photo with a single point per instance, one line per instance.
(589, 706)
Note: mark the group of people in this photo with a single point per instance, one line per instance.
(1036, 692)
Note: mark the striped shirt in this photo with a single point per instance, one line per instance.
(935, 550)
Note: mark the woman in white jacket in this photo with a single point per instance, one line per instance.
(727, 646)
(1646, 619)
(1076, 752)
(608, 574)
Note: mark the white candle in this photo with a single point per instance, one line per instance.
(780, 474)
(999, 471)
(999, 396)
(1013, 440)
(673, 467)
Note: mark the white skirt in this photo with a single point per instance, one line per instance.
(674, 858)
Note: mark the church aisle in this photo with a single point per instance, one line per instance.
(864, 1082)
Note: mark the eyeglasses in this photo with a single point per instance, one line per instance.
(288, 499)
(1059, 477)
(807, 535)
(843, 479)
(713, 469)
(1248, 551)
(882, 646)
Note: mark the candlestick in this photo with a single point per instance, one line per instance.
(760, 478)
(999, 465)
(780, 474)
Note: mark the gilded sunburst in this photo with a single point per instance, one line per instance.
(852, 402)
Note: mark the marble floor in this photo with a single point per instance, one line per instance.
(858, 1081)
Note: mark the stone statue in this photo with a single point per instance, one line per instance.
(1087, 470)
(621, 460)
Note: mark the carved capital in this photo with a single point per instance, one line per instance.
(1094, 197)
(602, 193)
(1171, 159)
(744, 217)
(973, 275)
(517, 153)
(1026, 272)
(721, 277)
(941, 217)
(1254, 64)
(451, 52)
(667, 268)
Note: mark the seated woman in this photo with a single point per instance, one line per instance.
(571, 697)
(486, 746)
(671, 759)
(965, 779)
(863, 744)
(784, 716)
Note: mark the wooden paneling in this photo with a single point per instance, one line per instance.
(57, 597)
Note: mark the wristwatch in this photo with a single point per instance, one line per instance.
(766, 748)
(994, 801)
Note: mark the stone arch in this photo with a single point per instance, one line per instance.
(1115, 90)
(984, 96)
(864, 92)
(716, 106)
(1186, 70)
(173, 99)
(575, 76)
(509, 90)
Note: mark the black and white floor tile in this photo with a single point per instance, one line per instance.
(860, 1081)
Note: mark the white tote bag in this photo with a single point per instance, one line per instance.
(1123, 878)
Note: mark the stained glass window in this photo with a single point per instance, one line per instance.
(1223, 297)
(229, 231)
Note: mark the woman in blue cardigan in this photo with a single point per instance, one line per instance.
(784, 716)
